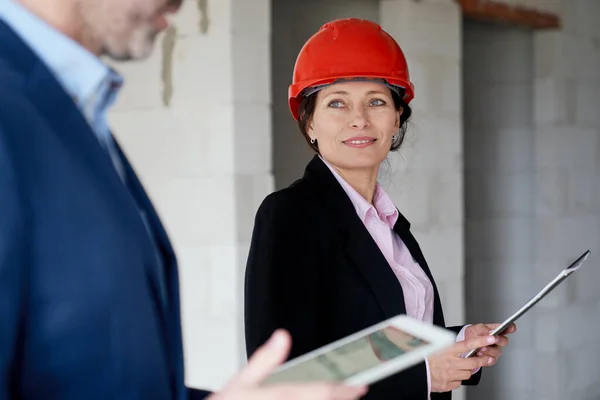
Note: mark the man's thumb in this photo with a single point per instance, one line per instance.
(265, 360)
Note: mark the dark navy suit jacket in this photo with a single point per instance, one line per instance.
(80, 310)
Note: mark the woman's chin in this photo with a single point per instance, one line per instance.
(361, 162)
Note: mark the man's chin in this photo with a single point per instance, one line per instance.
(139, 47)
(133, 53)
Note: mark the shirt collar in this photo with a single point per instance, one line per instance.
(382, 207)
(80, 72)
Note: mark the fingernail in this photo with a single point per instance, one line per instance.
(483, 350)
(491, 340)
(490, 360)
(480, 354)
(276, 340)
(360, 389)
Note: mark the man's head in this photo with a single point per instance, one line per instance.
(120, 29)
(123, 29)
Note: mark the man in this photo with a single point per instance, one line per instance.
(89, 298)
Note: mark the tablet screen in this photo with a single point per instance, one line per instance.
(351, 358)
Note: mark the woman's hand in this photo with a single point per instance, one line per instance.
(448, 369)
(495, 351)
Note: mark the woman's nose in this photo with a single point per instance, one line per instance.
(360, 119)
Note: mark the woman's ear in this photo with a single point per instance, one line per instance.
(398, 115)
(310, 131)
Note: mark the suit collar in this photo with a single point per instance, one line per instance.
(142, 199)
(15, 52)
(79, 71)
(65, 120)
(171, 324)
(54, 104)
(360, 245)
(358, 242)
(382, 203)
(321, 177)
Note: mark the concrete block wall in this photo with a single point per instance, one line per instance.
(567, 200)
(425, 178)
(187, 116)
(560, 335)
(195, 122)
(499, 200)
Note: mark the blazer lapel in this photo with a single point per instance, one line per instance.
(142, 199)
(59, 110)
(358, 242)
(171, 319)
(61, 113)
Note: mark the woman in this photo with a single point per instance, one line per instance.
(331, 254)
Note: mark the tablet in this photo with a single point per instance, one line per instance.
(541, 294)
(368, 355)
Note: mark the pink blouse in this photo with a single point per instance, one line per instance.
(379, 218)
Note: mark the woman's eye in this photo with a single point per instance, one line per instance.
(335, 104)
(378, 102)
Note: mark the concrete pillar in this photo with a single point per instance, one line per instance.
(560, 333)
(567, 208)
(195, 121)
(499, 174)
(425, 179)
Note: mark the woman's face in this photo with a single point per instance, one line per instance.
(353, 124)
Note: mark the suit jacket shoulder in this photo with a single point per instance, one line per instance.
(290, 200)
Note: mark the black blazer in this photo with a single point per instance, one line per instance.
(314, 270)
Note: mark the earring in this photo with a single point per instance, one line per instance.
(395, 136)
(312, 140)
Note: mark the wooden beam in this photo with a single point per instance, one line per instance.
(492, 11)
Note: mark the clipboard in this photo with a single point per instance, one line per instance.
(564, 274)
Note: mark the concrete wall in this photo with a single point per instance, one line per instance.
(195, 121)
(547, 217)
(425, 178)
(567, 195)
(499, 201)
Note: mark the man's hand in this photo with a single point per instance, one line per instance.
(492, 352)
(246, 385)
(448, 369)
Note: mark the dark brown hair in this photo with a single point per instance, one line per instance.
(307, 109)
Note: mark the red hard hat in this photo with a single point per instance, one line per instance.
(345, 49)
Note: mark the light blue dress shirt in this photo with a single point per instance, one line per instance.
(92, 84)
